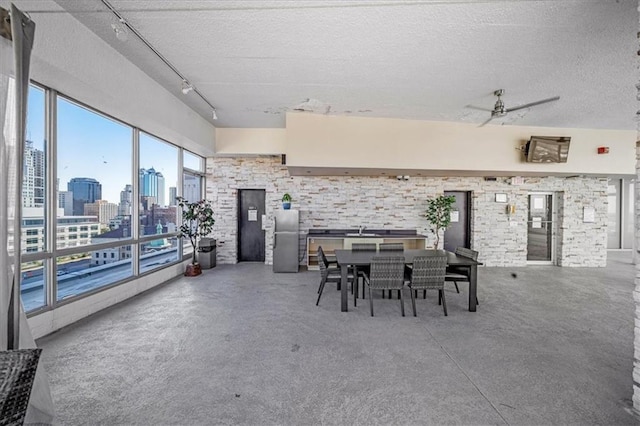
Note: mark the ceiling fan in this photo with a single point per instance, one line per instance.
(499, 110)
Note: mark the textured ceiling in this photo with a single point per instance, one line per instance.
(426, 60)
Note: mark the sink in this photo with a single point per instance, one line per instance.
(364, 234)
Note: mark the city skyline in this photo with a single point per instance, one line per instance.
(93, 146)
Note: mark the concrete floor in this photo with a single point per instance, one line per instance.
(241, 345)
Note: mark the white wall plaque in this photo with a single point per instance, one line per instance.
(501, 198)
(253, 215)
(455, 216)
(536, 222)
(588, 214)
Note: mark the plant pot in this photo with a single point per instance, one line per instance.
(193, 270)
(286, 205)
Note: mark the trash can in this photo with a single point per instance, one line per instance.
(207, 253)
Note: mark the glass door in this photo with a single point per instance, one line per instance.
(540, 229)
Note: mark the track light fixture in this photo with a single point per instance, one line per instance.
(120, 28)
(186, 87)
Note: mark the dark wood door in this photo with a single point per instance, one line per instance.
(251, 240)
(458, 234)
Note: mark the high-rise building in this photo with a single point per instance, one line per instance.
(126, 197)
(152, 185)
(65, 202)
(85, 190)
(173, 193)
(103, 209)
(33, 179)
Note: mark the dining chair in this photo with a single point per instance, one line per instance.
(391, 248)
(329, 274)
(457, 274)
(428, 273)
(387, 273)
(362, 269)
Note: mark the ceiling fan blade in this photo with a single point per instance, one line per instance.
(486, 122)
(478, 108)
(544, 101)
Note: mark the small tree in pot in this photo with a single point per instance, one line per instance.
(439, 214)
(197, 222)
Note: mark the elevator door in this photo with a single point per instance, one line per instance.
(540, 229)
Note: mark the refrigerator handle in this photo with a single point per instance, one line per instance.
(274, 240)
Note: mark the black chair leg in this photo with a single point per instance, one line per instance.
(457, 289)
(424, 294)
(322, 283)
(355, 295)
(371, 301)
(414, 294)
(439, 297)
(399, 293)
(444, 302)
(401, 301)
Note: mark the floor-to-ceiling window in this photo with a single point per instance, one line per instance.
(158, 173)
(192, 185)
(94, 165)
(110, 214)
(33, 232)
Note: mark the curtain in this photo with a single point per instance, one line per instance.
(15, 58)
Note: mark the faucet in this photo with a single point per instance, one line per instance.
(360, 229)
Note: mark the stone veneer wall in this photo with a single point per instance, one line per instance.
(385, 202)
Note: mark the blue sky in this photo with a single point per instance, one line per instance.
(90, 145)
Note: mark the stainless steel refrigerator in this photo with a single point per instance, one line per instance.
(286, 241)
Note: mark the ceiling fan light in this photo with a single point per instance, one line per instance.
(214, 115)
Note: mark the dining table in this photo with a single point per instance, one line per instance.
(359, 259)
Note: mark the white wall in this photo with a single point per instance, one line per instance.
(71, 59)
(316, 140)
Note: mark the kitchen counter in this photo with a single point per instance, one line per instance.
(367, 233)
(332, 239)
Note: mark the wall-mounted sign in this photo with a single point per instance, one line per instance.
(588, 214)
(253, 215)
(455, 216)
(501, 198)
(536, 222)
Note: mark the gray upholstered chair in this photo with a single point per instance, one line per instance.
(329, 274)
(391, 247)
(461, 274)
(428, 274)
(387, 273)
(362, 270)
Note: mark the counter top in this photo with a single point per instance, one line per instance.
(367, 233)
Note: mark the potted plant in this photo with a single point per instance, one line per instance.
(439, 214)
(286, 201)
(197, 222)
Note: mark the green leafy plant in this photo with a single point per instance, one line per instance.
(439, 214)
(197, 221)
(286, 198)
